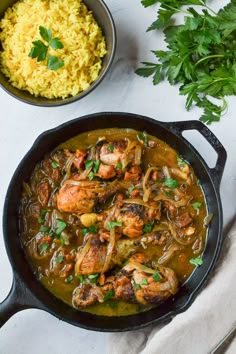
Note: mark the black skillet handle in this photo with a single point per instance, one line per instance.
(217, 171)
(19, 298)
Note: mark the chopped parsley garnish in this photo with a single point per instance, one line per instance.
(109, 295)
(88, 164)
(60, 259)
(197, 206)
(55, 164)
(43, 247)
(144, 281)
(181, 161)
(60, 226)
(156, 276)
(171, 183)
(136, 285)
(111, 147)
(40, 49)
(112, 224)
(94, 165)
(43, 213)
(44, 229)
(142, 137)
(69, 279)
(81, 278)
(148, 227)
(119, 166)
(93, 277)
(91, 229)
(198, 183)
(91, 175)
(196, 261)
(130, 189)
(167, 193)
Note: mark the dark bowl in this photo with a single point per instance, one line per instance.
(105, 21)
(28, 292)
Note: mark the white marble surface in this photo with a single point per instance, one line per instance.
(34, 331)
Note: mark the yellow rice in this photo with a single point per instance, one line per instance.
(70, 20)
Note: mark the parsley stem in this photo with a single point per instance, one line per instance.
(177, 10)
(208, 57)
(208, 8)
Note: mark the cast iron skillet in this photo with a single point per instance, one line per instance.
(28, 292)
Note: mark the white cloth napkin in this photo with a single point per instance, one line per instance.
(199, 329)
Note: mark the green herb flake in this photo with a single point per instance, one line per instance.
(167, 193)
(55, 43)
(44, 229)
(60, 259)
(55, 164)
(198, 183)
(111, 147)
(81, 278)
(69, 279)
(91, 229)
(93, 277)
(54, 63)
(148, 227)
(130, 189)
(96, 166)
(45, 33)
(84, 231)
(119, 166)
(196, 261)
(91, 175)
(39, 51)
(43, 213)
(88, 164)
(171, 183)
(181, 161)
(109, 295)
(156, 276)
(60, 226)
(43, 247)
(197, 206)
(144, 281)
(142, 138)
(112, 224)
(136, 285)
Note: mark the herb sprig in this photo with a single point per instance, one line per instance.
(200, 54)
(40, 49)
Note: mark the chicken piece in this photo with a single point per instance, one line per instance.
(130, 284)
(112, 158)
(79, 159)
(122, 152)
(82, 196)
(183, 220)
(131, 216)
(72, 198)
(151, 291)
(94, 259)
(106, 172)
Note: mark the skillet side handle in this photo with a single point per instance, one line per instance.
(18, 299)
(216, 172)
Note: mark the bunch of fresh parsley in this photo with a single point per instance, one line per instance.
(40, 49)
(200, 55)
